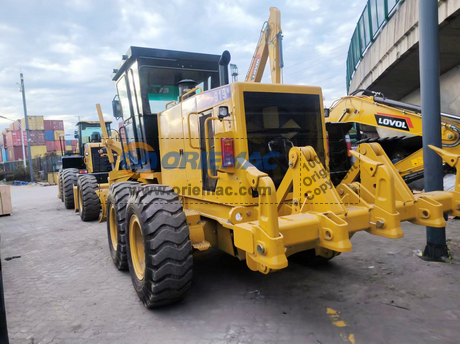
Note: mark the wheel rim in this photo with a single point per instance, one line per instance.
(113, 227)
(137, 247)
(80, 202)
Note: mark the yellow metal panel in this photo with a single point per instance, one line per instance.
(171, 145)
(244, 237)
(224, 238)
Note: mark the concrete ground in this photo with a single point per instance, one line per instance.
(65, 289)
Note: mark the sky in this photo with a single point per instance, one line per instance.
(68, 48)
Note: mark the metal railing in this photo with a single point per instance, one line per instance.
(374, 17)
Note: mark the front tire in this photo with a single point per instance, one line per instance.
(69, 179)
(89, 204)
(117, 201)
(159, 248)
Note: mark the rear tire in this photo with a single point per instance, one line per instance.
(89, 204)
(159, 248)
(117, 201)
(69, 179)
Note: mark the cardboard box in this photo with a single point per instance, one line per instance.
(6, 207)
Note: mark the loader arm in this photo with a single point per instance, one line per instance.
(269, 46)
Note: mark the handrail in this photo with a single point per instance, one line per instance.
(172, 101)
(190, 130)
(207, 145)
(191, 91)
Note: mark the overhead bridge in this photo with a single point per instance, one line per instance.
(384, 51)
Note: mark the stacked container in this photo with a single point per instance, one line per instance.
(53, 130)
(43, 137)
(35, 123)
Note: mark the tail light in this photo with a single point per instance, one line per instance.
(83, 171)
(228, 159)
(348, 142)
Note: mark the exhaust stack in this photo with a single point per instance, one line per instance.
(223, 68)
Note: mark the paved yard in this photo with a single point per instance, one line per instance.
(65, 289)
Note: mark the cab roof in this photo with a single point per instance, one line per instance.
(92, 122)
(166, 58)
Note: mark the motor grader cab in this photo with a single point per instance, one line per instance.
(81, 175)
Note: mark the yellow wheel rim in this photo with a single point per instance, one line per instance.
(80, 202)
(137, 247)
(113, 227)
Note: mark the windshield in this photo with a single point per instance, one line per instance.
(88, 129)
(160, 86)
(275, 123)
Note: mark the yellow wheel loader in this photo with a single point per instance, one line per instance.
(240, 167)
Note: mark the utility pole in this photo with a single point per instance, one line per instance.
(436, 247)
(31, 168)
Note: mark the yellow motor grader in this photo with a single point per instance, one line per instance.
(242, 167)
(82, 174)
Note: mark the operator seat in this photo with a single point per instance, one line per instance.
(96, 137)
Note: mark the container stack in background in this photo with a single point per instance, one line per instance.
(54, 134)
(44, 138)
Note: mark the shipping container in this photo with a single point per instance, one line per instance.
(49, 135)
(57, 146)
(58, 133)
(16, 125)
(37, 151)
(37, 137)
(68, 148)
(15, 153)
(35, 123)
(73, 142)
(4, 155)
(13, 138)
(50, 146)
(54, 124)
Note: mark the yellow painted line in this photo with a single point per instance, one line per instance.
(334, 316)
(340, 323)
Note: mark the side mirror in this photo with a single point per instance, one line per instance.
(223, 112)
(75, 134)
(116, 107)
(326, 113)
